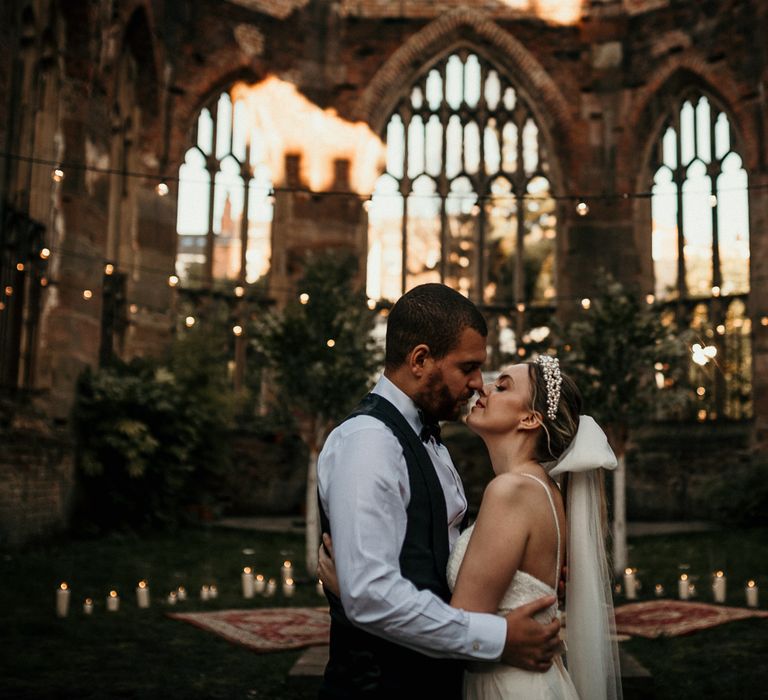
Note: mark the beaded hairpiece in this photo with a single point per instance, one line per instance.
(550, 368)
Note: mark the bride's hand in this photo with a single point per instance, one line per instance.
(326, 567)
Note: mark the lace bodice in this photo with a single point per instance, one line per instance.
(523, 588)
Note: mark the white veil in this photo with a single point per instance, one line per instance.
(592, 655)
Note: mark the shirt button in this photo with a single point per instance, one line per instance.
(476, 646)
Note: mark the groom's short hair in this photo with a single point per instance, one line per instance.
(432, 314)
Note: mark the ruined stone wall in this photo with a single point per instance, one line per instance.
(120, 86)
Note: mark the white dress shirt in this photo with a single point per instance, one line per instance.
(364, 489)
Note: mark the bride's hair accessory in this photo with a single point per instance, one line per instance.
(550, 368)
(592, 651)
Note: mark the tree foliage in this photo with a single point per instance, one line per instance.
(321, 354)
(630, 366)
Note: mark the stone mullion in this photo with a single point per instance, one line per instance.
(212, 165)
(713, 171)
(482, 189)
(405, 190)
(442, 179)
(245, 174)
(678, 176)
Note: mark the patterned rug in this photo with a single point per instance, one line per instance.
(267, 629)
(671, 618)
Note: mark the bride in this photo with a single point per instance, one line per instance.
(529, 420)
(543, 510)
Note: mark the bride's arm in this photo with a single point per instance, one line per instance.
(496, 547)
(494, 553)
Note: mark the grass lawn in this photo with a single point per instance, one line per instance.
(723, 662)
(142, 654)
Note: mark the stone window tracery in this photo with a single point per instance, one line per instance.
(700, 248)
(225, 200)
(466, 196)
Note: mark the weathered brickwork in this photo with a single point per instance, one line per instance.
(119, 86)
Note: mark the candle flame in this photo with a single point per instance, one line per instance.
(627, 571)
(289, 582)
(259, 577)
(113, 594)
(684, 577)
(247, 570)
(719, 574)
(142, 584)
(751, 584)
(286, 564)
(88, 601)
(63, 586)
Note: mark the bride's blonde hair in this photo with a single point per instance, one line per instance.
(557, 433)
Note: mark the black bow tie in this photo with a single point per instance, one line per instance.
(429, 430)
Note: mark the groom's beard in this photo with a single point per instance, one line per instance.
(437, 402)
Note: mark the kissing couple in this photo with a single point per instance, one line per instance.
(423, 606)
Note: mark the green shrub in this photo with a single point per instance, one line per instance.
(152, 438)
(739, 497)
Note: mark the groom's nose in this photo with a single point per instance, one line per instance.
(476, 381)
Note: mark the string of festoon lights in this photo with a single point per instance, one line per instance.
(59, 169)
(581, 202)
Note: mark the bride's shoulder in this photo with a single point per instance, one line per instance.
(506, 488)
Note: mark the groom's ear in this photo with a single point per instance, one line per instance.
(418, 358)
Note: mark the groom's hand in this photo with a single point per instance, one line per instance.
(531, 645)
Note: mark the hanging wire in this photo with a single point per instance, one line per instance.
(580, 201)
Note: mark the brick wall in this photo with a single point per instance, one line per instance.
(36, 477)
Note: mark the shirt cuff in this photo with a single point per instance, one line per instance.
(487, 635)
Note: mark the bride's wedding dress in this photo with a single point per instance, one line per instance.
(489, 681)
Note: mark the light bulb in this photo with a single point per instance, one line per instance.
(582, 208)
(162, 189)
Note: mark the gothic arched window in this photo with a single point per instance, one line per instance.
(466, 196)
(225, 204)
(700, 246)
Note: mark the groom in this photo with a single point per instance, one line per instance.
(394, 505)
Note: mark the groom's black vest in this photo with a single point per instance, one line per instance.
(362, 665)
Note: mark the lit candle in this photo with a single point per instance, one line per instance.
(718, 587)
(113, 601)
(247, 580)
(319, 587)
(259, 583)
(630, 584)
(213, 592)
(659, 590)
(289, 588)
(142, 594)
(682, 587)
(62, 600)
(286, 571)
(87, 606)
(751, 592)
(205, 593)
(271, 587)
(172, 598)
(181, 593)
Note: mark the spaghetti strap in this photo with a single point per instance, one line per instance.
(557, 522)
